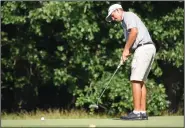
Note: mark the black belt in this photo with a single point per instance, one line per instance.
(144, 44)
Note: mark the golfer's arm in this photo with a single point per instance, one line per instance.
(131, 38)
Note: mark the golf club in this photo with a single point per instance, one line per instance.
(96, 105)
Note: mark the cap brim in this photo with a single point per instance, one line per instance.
(108, 18)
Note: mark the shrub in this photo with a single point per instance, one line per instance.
(117, 97)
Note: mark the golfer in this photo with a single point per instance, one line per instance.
(138, 42)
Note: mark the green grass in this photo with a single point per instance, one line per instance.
(154, 121)
(180, 112)
(66, 114)
(51, 114)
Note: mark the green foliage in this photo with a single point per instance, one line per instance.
(156, 103)
(118, 95)
(69, 44)
(167, 32)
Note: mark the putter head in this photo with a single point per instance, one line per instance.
(93, 106)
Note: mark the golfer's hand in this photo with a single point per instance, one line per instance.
(125, 54)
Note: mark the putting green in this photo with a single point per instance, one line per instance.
(159, 121)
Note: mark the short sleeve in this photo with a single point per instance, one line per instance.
(130, 21)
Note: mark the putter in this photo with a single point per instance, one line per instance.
(96, 105)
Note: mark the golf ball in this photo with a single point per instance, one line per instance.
(92, 126)
(42, 118)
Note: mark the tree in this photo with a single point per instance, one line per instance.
(56, 50)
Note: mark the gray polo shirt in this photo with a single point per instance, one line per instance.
(131, 20)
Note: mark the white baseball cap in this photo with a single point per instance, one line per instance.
(111, 9)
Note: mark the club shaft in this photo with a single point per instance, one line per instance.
(108, 83)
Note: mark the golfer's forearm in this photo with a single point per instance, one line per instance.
(131, 38)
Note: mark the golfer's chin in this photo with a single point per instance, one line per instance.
(118, 20)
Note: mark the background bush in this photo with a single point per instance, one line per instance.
(53, 51)
(117, 97)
